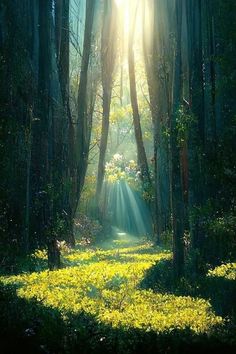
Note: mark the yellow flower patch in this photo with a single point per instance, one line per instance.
(227, 271)
(105, 284)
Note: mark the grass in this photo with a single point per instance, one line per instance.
(104, 284)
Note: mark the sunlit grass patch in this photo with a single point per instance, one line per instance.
(40, 254)
(144, 253)
(148, 311)
(105, 284)
(227, 271)
(143, 248)
(124, 240)
(80, 257)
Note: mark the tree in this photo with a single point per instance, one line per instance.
(34, 193)
(176, 182)
(141, 153)
(158, 54)
(84, 124)
(66, 147)
(108, 52)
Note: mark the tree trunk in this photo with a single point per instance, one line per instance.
(141, 153)
(83, 130)
(67, 146)
(108, 52)
(53, 254)
(158, 62)
(177, 188)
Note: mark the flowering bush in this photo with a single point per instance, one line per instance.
(120, 169)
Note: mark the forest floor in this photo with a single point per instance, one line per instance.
(105, 300)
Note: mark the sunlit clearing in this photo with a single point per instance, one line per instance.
(105, 284)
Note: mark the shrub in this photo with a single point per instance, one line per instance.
(220, 240)
(87, 230)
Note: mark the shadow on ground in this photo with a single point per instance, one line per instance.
(220, 291)
(29, 327)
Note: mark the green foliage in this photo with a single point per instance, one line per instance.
(159, 277)
(167, 239)
(120, 113)
(222, 228)
(220, 241)
(216, 229)
(88, 192)
(120, 169)
(184, 120)
(87, 230)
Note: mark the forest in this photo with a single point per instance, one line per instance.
(117, 176)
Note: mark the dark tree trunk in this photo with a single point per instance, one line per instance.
(38, 141)
(108, 45)
(53, 255)
(197, 141)
(177, 188)
(67, 146)
(17, 87)
(158, 62)
(83, 129)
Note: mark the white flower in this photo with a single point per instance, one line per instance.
(117, 157)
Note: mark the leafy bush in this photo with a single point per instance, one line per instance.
(216, 238)
(87, 230)
(220, 241)
(167, 239)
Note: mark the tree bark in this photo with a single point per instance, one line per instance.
(83, 130)
(158, 65)
(108, 46)
(141, 153)
(177, 188)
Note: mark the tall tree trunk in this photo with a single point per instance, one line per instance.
(177, 188)
(141, 153)
(83, 130)
(197, 143)
(156, 48)
(108, 52)
(48, 212)
(67, 146)
(17, 87)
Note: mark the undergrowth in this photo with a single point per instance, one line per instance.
(101, 301)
